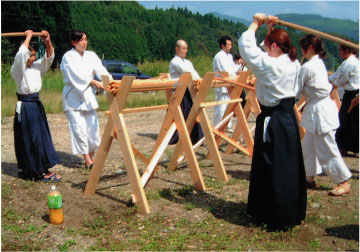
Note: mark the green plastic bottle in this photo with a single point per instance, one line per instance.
(55, 206)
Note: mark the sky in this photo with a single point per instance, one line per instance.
(246, 9)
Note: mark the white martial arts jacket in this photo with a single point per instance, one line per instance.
(28, 79)
(224, 62)
(78, 71)
(347, 75)
(276, 78)
(320, 114)
(179, 66)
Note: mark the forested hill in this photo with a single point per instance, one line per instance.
(125, 30)
(346, 28)
(343, 27)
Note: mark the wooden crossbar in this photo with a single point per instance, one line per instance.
(214, 103)
(235, 108)
(174, 120)
(242, 127)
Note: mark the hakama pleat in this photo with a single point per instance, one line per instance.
(196, 134)
(277, 193)
(34, 149)
(347, 135)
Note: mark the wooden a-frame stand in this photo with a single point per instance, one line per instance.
(234, 106)
(174, 120)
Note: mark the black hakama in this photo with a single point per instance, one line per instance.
(277, 193)
(347, 135)
(196, 134)
(34, 149)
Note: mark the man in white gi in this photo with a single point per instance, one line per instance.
(223, 61)
(179, 65)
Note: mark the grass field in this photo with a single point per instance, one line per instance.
(53, 84)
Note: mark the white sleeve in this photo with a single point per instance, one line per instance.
(99, 67)
(195, 74)
(73, 74)
(340, 77)
(19, 65)
(252, 55)
(303, 78)
(45, 63)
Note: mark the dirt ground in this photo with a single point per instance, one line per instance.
(211, 220)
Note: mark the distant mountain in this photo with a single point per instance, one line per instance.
(344, 27)
(347, 28)
(231, 18)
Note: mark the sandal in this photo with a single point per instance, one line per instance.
(89, 167)
(51, 177)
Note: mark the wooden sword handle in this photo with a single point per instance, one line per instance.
(19, 34)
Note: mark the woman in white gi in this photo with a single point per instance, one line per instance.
(320, 119)
(78, 67)
(277, 193)
(347, 76)
(34, 149)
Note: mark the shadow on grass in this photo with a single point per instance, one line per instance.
(348, 232)
(229, 211)
(69, 160)
(150, 135)
(66, 159)
(10, 169)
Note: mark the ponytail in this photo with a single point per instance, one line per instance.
(292, 53)
(282, 40)
(315, 42)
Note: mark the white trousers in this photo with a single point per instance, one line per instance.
(322, 153)
(84, 131)
(219, 110)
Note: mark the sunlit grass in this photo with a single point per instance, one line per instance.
(53, 84)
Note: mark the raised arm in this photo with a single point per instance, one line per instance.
(21, 58)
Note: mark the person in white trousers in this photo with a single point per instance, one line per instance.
(79, 67)
(320, 119)
(223, 61)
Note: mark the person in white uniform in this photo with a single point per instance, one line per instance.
(277, 193)
(320, 119)
(179, 65)
(347, 77)
(34, 149)
(78, 67)
(223, 61)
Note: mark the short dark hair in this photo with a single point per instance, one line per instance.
(77, 35)
(33, 46)
(237, 56)
(347, 49)
(223, 40)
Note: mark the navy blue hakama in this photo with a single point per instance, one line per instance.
(196, 134)
(347, 135)
(34, 149)
(277, 193)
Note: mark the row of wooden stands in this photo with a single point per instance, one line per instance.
(117, 93)
(234, 109)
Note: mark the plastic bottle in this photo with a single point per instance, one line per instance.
(55, 206)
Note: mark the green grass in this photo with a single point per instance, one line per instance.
(52, 86)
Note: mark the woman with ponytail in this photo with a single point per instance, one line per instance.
(320, 119)
(277, 193)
